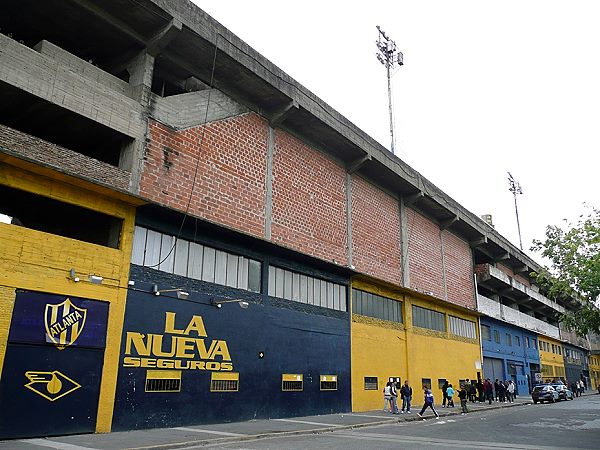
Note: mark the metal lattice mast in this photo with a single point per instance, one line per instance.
(390, 57)
(515, 187)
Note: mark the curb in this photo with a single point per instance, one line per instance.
(266, 435)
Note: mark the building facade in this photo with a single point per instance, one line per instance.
(188, 224)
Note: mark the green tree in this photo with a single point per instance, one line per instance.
(575, 270)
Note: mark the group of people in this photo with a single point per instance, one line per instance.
(391, 393)
(578, 387)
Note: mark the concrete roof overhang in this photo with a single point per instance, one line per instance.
(111, 33)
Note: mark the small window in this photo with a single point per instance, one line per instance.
(225, 382)
(508, 340)
(373, 305)
(426, 382)
(517, 341)
(486, 333)
(371, 384)
(559, 350)
(328, 382)
(496, 336)
(427, 318)
(527, 343)
(394, 380)
(163, 381)
(441, 382)
(292, 382)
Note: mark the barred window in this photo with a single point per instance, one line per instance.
(305, 289)
(486, 333)
(225, 382)
(426, 382)
(373, 305)
(426, 318)
(328, 382)
(371, 384)
(163, 381)
(547, 370)
(292, 382)
(509, 339)
(192, 260)
(462, 327)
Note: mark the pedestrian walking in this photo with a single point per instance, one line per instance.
(387, 392)
(472, 391)
(510, 391)
(444, 395)
(393, 398)
(450, 396)
(462, 395)
(428, 403)
(406, 397)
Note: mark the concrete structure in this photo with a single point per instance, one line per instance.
(250, 191)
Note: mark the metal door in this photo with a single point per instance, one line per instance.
(53, 365)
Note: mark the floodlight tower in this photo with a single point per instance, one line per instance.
(515, 187)
(390, 57)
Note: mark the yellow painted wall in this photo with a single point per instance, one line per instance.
(554, 360)
(594, 363)
(38, 261)
(384, 349)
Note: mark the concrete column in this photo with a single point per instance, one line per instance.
(141, 70)
(443, 265)
(349, 218)
(404, 244)
(269, 183)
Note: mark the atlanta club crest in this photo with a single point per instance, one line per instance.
(64, 323)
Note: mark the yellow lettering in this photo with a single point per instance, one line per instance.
(212, 365)
(129, 361)
(204, 354)
(157, 344)
(170, 324)
(77, 315)
(184, 345)
(197, 365)
(226, 366)
(68, 321)
(165, 363)
(148, 362)
(197, 325)
(180, 364)
(137, 339)
(221, 350)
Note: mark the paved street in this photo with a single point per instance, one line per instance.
(566, 425)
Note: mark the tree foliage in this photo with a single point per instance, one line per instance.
(575, 270)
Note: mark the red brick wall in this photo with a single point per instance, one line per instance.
(459, 272)
(230, 183)
(375, 232)
(309, 200)
(424, 253)
(506, 270)
(523, 280)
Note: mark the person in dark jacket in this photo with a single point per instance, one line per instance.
(480, 391)
(472, 391)
(406, 396)
(488, 389)
(444, 395)
(462, 394)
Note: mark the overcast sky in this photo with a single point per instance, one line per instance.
(487, 87)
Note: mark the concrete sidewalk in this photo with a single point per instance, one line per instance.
(197, 435)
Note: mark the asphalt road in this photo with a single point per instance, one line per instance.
(565, 425)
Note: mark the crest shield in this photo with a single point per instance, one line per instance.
(64, 323)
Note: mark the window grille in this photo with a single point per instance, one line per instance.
(292, 382)
(328, 382)
(163, 381)
(305, 289)
(373, 305)
(371, 384)
(426, 318)
(462, 327)
(193, 260)
(225, 382)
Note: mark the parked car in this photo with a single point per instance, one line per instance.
(564, 393)
(544, 393)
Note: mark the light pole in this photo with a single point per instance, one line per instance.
(515, 187)
(390, 57)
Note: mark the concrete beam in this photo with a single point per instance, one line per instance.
(355, 165)
(412, 199)
(479, 242)
(112, 20)
(445, 224)
(502, 257)
(521, 269)
(279, 116)
(161, 39)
